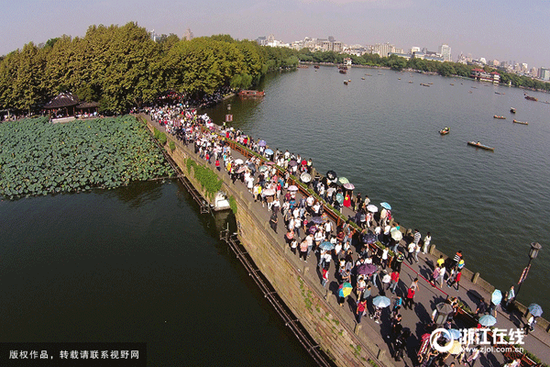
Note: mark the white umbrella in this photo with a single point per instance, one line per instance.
(269, 192)
(305, 177)
(238, 161)
(372, 208)
(396, 234)
(349, 186)
(293, 188)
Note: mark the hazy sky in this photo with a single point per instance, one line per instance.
(504, 30)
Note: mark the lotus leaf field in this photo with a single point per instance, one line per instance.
(40, 158)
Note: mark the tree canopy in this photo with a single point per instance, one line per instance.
(122, 67)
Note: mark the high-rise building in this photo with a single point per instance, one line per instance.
(445, 52)
(382, 49)
(544, 74)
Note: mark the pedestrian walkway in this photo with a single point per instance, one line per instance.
(426, 297)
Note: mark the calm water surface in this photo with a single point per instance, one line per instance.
(135, 264)
(382, 134)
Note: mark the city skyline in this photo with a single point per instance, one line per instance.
(504, 30)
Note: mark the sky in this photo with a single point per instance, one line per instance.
(506, 30)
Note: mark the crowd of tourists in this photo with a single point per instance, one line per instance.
(358, 258)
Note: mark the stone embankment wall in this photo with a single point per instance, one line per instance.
(317, 310)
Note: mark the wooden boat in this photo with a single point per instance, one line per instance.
(479, 145)
(316, 66)
(529, 98)
(251, 93)
(499, 117)
(520, 122)
(345, 82)
(342, 69)
(512, 110)
(445, 131)
(424, 85)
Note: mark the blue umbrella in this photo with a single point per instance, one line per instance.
(326, 246)
(381, 301)
(268, 152)
(535, 309)
(496, 297)
(262, 143)
(455, 334)
(340, 198)
(385, 205)
(487, 320)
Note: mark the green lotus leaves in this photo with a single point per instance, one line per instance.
(38, 158)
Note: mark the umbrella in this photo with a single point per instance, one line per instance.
(238, 161)
(535, 309)
(331, 175)
(366, 269)
(313, 229)
(293, 188)
(292, 163)
(370, 238)
(396, 234)
(345, 290)
(317, 220)
(262, 143)
(372, 208)
(270, 163)
(381, 301)
(487, 320)
(496, 297)
(455, 334)
(326, 246)
(262, 169)
(343, 180)
(385, 205)
(456, 348)
(268, 152)
(340, 198)
(269, 192)
(349, 186)
(305, 177)
(241, 170)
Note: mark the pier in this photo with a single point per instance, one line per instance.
(327, 327)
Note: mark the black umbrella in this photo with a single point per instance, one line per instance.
(331, 175)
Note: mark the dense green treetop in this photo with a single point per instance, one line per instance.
(122, 67)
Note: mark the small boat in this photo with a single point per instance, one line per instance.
(520, 122)
(445, 130)
(251, 93)
(479, 145)
(349, 80)
(398, 78)
(342, 69)
(452, 84)
(410, 81)
(363, 78)
(424, 85)
(316, 66)
(345, 82)
(529, 98)
(499, 117)
(512, 110)
(501, 94)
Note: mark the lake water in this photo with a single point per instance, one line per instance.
(135, 264)
(382, 134)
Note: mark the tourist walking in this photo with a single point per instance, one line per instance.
(394, 281)
(273, 220)
(510, 296)
(361, 309)
(426, 243)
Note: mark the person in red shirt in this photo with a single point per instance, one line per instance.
(361, 309)
(394, 281)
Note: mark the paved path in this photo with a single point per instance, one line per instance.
(426, 297)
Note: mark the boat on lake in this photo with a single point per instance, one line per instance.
(251, 93)
(520, 122)
(499, 117)
(345, 82)
(479, 145)
(530, 98)
(316, 66)
(343, 69)
(445, 130)
(512, 110)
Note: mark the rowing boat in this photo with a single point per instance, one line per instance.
(479, 145)
(520, 122)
